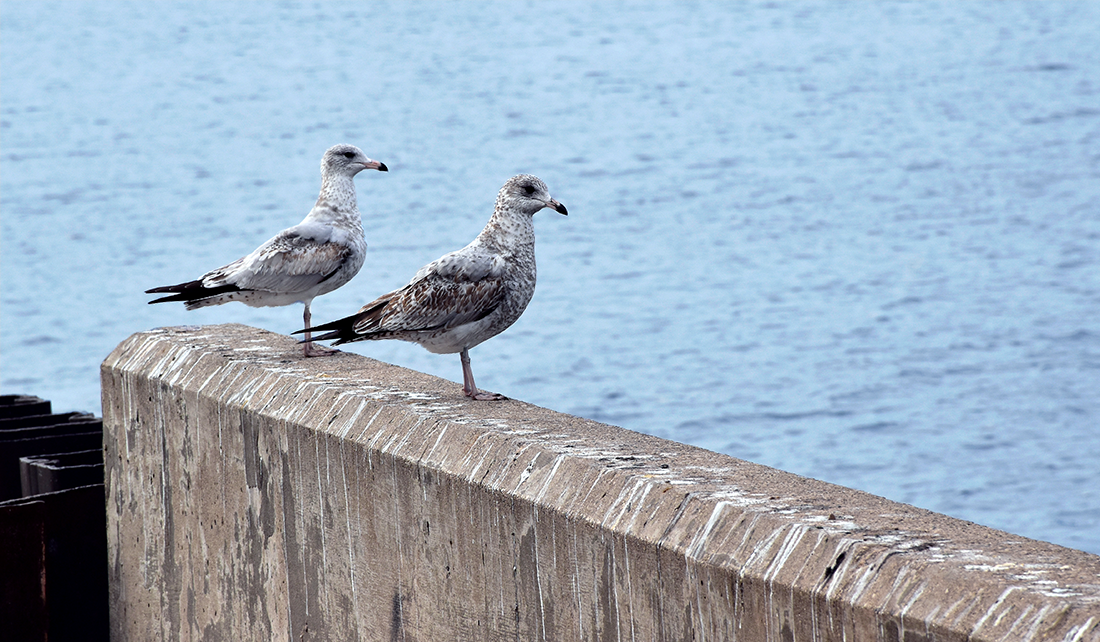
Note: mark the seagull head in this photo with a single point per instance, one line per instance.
(530, 194)
(348, 160)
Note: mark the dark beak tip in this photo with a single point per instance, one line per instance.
(562, 210)
(382, 167)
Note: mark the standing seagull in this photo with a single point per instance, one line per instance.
(465, 297)
(312, 258)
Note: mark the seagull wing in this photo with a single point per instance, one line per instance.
(295, 260)
(456, 289)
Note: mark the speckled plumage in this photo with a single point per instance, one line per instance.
(465, 297)
(315, 257)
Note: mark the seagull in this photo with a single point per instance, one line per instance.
(314, 257)
(465, 297)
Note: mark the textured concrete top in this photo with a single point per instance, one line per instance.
(960, 579)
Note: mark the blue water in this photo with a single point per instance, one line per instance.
(855, 241)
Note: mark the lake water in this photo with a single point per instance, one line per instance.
(855, 241)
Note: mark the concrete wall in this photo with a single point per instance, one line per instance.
(256, 495)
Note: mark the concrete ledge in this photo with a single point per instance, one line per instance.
(253, 494)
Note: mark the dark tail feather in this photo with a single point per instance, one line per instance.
(190, 291)
(343, 330)
(330, 335)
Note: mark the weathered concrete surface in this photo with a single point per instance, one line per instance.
(256, 495)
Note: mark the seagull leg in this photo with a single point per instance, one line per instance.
(468, 386)
(308, 349)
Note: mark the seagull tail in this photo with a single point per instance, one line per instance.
(190, 292)
(351, 328)
(342, 330)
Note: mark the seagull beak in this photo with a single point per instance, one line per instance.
(557, 207)
(373, 164)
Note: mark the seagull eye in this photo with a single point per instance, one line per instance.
(349, 155)
(528, 190)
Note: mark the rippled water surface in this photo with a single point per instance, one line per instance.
(856, 241)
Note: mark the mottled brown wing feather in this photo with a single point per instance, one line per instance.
(430, 303)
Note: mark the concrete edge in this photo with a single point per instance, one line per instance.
(918, 569)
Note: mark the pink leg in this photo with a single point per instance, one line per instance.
(308, 349)
(468, 386)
